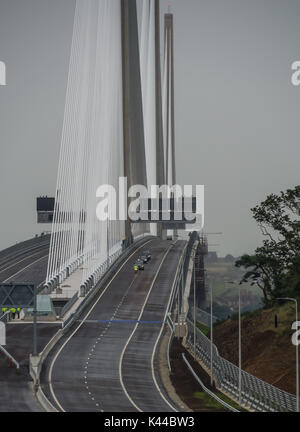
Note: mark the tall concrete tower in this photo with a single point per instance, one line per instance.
(169, 103)
(160, 157)
(159, 119)
(170, 116)
(133, 125)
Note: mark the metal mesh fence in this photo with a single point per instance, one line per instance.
(256, 394)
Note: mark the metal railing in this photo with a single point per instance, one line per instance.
(204, 317)
(206, 390)
(69, 305)
(10, 357)
(181, 280)
(256, 393)
(6, 314)
(172, 330)
(193, 238)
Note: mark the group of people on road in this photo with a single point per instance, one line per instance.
(12, 312)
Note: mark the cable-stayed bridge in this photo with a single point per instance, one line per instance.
(104, 347)
(118, 123)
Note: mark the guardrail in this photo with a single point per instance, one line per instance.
(204, 317)
(69, 305)
(193, 238)
(205, 389)
(10, 357)
(256, 394)
(6, 314)
(171, 326)
(181, 279)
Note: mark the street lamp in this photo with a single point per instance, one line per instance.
(240, 342)
(211, 335)
(195, 320)
(195, 306)
(297, 351)
(240, 348)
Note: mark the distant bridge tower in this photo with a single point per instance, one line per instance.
(168, 103)
(169, 115)
(133, 122)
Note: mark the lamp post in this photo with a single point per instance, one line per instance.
(297, 351)
(240, 348)
(240, 342)
(195, 306)
(211, 336)
(35, 353)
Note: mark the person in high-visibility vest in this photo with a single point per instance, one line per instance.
(136, 269)
(13, 312)
(4, 310)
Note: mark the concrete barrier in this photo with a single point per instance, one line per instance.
(44, 401)
(36, 362)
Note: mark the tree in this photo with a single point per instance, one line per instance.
(275, 266)
(229, 259)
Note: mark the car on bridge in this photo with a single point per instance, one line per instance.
(144, 259)
(148, 255)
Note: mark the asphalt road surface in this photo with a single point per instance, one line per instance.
(107, 362)
(16, 393)
(30, 268)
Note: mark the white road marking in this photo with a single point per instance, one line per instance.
(83, 321)
(18, 262)
(122, 301)
(25, 268)
(134, 330)
(158, 339)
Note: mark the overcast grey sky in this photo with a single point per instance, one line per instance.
(237, 114)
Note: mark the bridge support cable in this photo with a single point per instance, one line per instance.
(92, 144)
(112, 128)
